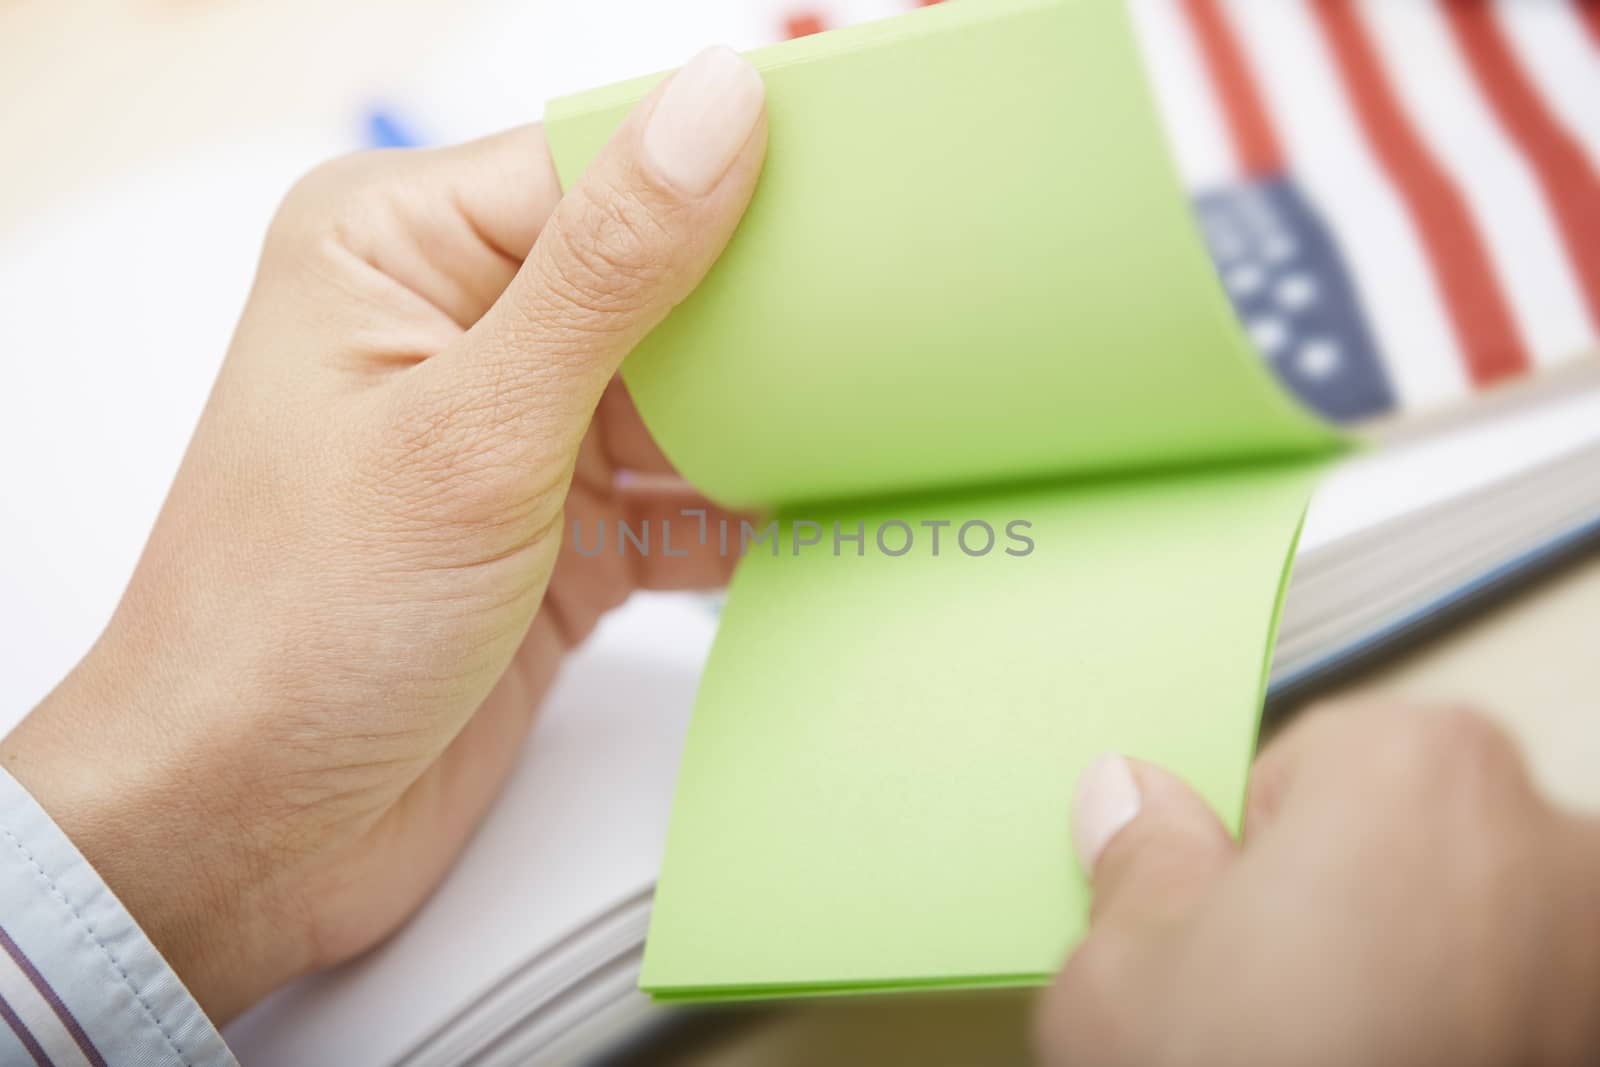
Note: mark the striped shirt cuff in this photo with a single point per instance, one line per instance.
(80, 984)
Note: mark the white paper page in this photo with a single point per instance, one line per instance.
(1382, 486)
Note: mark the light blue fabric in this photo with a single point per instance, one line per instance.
(70, 951)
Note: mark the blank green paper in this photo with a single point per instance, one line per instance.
(968, 289)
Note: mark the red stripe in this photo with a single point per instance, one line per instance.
(1589, 15)
(1570, 184)
(1254, 139)
(803, 24)
(1477, 309)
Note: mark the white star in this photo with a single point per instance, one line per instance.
(1296, 292)
(1269, 334)
(1319, 358)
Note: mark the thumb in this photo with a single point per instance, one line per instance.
(629, 241)
(1150, 843)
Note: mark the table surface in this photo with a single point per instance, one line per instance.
(95, 87)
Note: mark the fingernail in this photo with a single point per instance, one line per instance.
(703, 119)
(1106, 801)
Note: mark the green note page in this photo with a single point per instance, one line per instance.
(968, 290)
(875, 789)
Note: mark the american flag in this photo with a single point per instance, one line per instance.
(1402, 197)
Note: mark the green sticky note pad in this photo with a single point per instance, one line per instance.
(875, 790)
(968, 291)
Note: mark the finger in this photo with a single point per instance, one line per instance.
(1340, 740)
(634, 236)
(655, 541)
(1152, 848)
(1151, 844)
(450, 226)
(629, 445)
(1323, 732)
(504, 187)
(1274, 767)
(474, 212)
(704, 541)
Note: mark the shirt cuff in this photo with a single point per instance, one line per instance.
(80, 984)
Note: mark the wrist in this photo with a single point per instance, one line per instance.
(109, 758)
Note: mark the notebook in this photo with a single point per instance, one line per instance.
(530, 951)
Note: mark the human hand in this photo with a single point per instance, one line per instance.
(356, 593)
(1402, 896)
